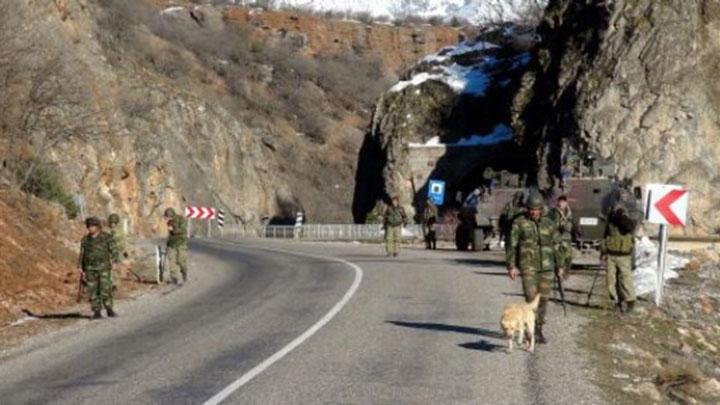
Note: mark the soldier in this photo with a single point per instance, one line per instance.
(563, 217)
(510, 212)
(533, 254)
(97, 256)
(177, 247)
(393, 221)
(616, 252)
(117, 233)
(429, 220)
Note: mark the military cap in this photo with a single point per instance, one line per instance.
(92, 221)
(114, 219)
(535, 202)
(170, 213)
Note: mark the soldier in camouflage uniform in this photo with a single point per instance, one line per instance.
(430, 215)
(117, 233)
(563, 217)
(98, 254)
(512, 210)
(393, 221)
(532, 253)
(177, 247)
(616, 251)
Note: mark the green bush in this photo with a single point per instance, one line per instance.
(45, 182)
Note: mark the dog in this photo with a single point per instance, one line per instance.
(518, 322)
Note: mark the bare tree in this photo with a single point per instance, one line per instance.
(59, 108)
(522, 12)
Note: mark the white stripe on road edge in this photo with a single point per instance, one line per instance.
(257, 370)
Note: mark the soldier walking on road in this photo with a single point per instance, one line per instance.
(98, 255)
(616, 252)
(177, 247)
(393, 221)
(430, 214)
(563, 217)
(532, 253)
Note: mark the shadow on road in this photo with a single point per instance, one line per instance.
(62, 315)
(481, 262)
(482, 345)
(441, 327)
(491, 273)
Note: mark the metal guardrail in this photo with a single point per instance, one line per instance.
(320, 232)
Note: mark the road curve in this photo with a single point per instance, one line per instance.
(241, 307)
(421, 329)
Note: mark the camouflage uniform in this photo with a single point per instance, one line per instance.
(393, 222)
(177, 247)
(617, 247)
(564, 221)
(429, 220)
(97, 255)
(533, 249)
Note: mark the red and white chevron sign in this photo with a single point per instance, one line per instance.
(200, 212)
(666, 204)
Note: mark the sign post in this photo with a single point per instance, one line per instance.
(436, 192)
(664, 205)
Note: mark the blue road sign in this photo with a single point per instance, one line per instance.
(436, 192)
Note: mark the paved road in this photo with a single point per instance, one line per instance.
(421, 329)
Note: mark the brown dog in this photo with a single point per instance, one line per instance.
(518, 321)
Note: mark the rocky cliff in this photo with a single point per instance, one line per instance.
(448, 118)
(397, 47)
(630, 85)
(138, 108)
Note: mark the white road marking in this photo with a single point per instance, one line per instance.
(260, 368)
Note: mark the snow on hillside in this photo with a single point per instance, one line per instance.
(475, 11)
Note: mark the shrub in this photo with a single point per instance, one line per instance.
(45, 182)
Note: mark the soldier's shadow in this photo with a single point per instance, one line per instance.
(61, 315)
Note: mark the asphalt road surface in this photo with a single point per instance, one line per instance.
(284, 323)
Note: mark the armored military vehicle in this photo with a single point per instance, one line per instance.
(590, 198)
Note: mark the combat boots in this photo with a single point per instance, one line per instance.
(97, 314)
(539, 337)
(111, 313)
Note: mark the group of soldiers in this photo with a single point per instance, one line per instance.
(101, 252)
(539, 246)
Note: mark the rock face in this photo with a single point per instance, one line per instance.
(448, 119)
(160, 125)
(630, 83)
(396, 47)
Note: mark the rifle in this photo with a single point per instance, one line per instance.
(558, 280)
(82, 286)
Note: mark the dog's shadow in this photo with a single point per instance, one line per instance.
(483, 346)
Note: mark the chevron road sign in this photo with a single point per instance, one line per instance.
(200, 212)
(665, 205)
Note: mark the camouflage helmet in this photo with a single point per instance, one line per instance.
(535, 202)
(92, 221)
(169, 213)
(113, 219)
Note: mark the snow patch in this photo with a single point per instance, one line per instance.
(476, 12)
(646, 266)
(500, 134)
(22, 321)
(471, 80)
(171, 10)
